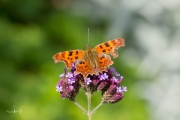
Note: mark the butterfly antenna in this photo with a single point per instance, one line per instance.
(88, 36)
(78, 36)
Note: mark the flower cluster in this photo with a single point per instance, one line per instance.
(106, 82)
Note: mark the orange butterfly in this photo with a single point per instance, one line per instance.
(91, 61)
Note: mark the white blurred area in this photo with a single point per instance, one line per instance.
(159, 36)
(154, 27)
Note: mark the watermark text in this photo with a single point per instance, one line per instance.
(16, 110)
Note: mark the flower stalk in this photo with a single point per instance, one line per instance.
(89, 113)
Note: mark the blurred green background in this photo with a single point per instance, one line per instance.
(32, 31)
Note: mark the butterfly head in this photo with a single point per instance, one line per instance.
(87, 47)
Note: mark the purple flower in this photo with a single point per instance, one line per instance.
(106, 82)
(118, 89)
(113, 70)
(68, 88)
(121, 89)
(73, 67)
(121, 78)
(117, 74)
(58, 88)
(71, 87)
(124, 88)
(71, 80)
(69, 75)
(88, 81)
(114, 79)
(103, 76)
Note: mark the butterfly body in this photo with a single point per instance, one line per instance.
(91, 61)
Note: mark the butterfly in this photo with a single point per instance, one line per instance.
(91, 61)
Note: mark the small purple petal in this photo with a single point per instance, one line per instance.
(117, 74)
(112, 69)
(71, 87)
(88, 81)
(114, 79)
(61, 75)
(71, 80)
(58, 88)
(121, 77)
(73, 67)
(103, 76)
(75, 74)
(119, 80)
(124, 89)
(69, 75)
(118, 89)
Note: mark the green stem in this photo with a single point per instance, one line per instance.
(101, 103)
(89, 113)
(84, 110)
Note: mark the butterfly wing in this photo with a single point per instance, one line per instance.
(109, 47)
(68, 57)
(104, 61)
(83, 66)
